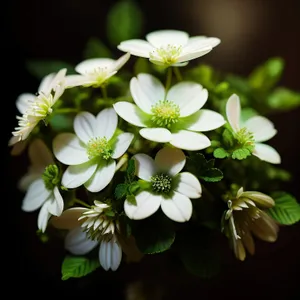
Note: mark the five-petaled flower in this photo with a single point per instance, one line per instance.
(169, 188)
(91, 152)
(255, 130)
(173, 116)
(169, 47)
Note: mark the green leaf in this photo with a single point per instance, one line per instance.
(203, 74)
(228, 138)
(155, 234)
(78, 266)
(130, 171)
(212, 175)
(220, 153)
(283, 99)
(239, 85)
(248, 113)
(286, 210)
(241, 153)
(121, 190)
(124, 21)
(265, 76)
(41, 68)
(96, 49)
(131, 199)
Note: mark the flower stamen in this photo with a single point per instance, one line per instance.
(99, 147)
(165, 113)
(161, 183)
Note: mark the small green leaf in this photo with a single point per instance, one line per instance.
(286, 210)
(283, 99)
(121, 190)
(131, 199)
(220, 153)
(96, 49)
(41, 68)
(212, 175)
(241, 153)
(130, 171)
(228, 138)
(78, 266)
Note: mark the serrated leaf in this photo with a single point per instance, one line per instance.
(96, 49)
(241, 153)
(286, 210)
(78, 266)
(41, 68)
(220, 153)
(212, 175)
(121, 190)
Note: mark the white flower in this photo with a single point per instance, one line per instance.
(37, 108)
(90, 153)
(89, 228)
(259, 128)
(170, 117)
(169, 189)
(41, 183)
(170, 47)
(95, 71)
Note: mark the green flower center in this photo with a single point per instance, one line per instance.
(168, 54)
(161, 183)
(99, 147)
(51, 176)
(245, 138)
(165, 113)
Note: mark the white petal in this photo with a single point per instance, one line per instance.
(84, 124)
(122, 143)
(131, 113)
(78, 243)
(79, 80)
(36, 195)
(188, 185)
(186, 56)
(102, 177)
(233, 112)
(69, 150)
(189, 96)
(200, 42)
(160, 135)
(170, 160)
(262, 128)
(75, 176)
(267, 153)
(23, 102)
(204, 120)
(106, 123)
(110, 255)
(56, 205)
(43, 217)
(28, 178)
(161, 38)
(92, 64)
(45, 84)
(136, 47)
(189, 140)
(39, 154)
(118, 64)
(147, 205)
(68, 219)
(145, 167)
(178, 209)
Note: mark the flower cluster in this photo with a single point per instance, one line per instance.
(144, 154)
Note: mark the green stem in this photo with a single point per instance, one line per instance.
(82, 203)
(66, 110)
(169, 78)
(177, 74)
(104, 92)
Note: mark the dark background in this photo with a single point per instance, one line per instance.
(251, 31)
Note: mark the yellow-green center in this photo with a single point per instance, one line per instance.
(245, 138)
(165, 113)
(99, 147)
(168, 54)
(51, 176)
(161, 183)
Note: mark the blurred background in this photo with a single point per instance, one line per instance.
(251, 31)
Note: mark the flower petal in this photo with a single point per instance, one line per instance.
(136, 47)
(45, 84)
(179, 208)
(102, 177)
(79, 80)
(56, 203)
(122, 143)
(161, 38)
(69, 150)
(92, 64)
(68, 219)
(23, 102)
(110, 255)
(119, 63)
(233, 112)
(78, 243)
(76, 175)
(267, 153)
(189, 96)
(146, 205)
(144, 166)
(262, 128)
(39, 154)
(36, 195)
(106, 123)
(189, 140)
(200, 42)
(146, 90)
(84, 124)
(160, 135)
(43, 217)
(204, 120)
(170, 160)
(188, 185)
(186, 56)
(131, 113)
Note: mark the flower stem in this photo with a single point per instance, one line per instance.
(177, 73)
(104, 92)
(66, 110)
(81, 202)
(169, 78)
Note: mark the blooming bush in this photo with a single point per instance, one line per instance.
(164, 154)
